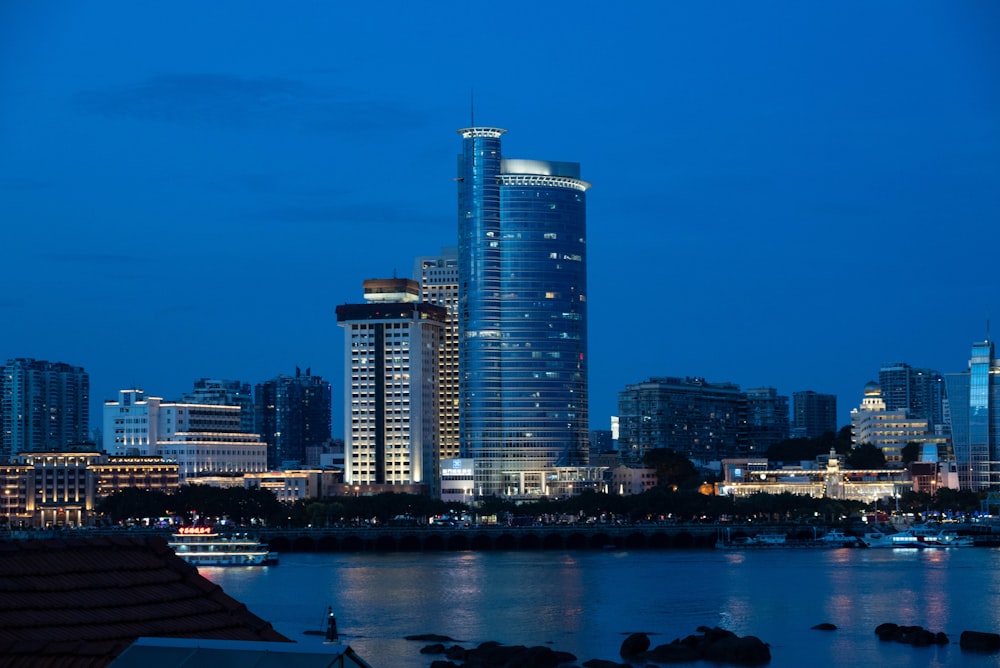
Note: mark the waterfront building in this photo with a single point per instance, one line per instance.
(438, 279)
(920, 392)
(767, 418)
(827, 478)
(874, 424)
(292, 413)
(225, 393)
(291, 486)
(61, 488)
(391, 358)
(813, 414)
(522, 315)
(974, 407)
(458, 481)
(43, 406)
(204, 439)
(702, 421)
(627, 480)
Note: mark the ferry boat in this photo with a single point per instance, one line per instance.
(918, 537)
(203, 546)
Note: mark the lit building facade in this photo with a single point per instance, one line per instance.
(204, 439)
(292, 413)
(44, 406)
(391, 358)
(828, 479)
(438, 278)
(62, 488)
(813, 414)
(973, 401)
(522, 316)
(702, 421)
(873, 423)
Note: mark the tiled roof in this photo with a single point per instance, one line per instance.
(80, 602)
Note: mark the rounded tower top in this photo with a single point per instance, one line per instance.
(481, 132)
(873, 389)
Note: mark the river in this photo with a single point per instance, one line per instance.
(586, 602)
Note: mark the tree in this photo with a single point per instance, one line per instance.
(672, 469)
(866, 457)
(910, 453)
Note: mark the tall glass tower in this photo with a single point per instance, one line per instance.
(522, 316)
(974, 400)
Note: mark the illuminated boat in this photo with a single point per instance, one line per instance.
(202, 546)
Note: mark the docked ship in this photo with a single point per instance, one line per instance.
(919, 537)
(203, 546)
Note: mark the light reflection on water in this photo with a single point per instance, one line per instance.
(585, 602)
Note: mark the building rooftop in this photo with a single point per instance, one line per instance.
(81, 602)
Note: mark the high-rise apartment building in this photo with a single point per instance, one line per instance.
(391, 354)
(292, 413)
(44, 406)
(920, 392)
(767, 418)
(225, 393)
(522, 315)
(438, 278)
(813, 414)
(974, 405)
(701, 420)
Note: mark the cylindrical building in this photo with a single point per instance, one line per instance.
(522, 316)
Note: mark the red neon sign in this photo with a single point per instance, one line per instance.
(195, 530)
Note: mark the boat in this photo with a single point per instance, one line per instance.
(918, 537)
(760, 540)
(836, 538)
(203, 546)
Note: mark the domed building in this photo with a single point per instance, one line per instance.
(887, 430)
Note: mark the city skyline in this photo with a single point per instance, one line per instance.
(787, 196)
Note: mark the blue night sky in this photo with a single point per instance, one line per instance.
(786, 194)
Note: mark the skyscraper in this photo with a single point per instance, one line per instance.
(813, 414)
(920, 392)
(43, 406)
(438, 278)
(291, 414)
(767, 418)
(391, 350)
(973, 400)
(522, 315)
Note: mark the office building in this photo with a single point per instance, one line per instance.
(767, 418)
(522, 316)
(702, 421)
(225, 393)
(292, 413)
(873, 423)
(44, 406)
(973, 401)
(920, 392)
(391, 358)
(204, 439)
(813, 414)
(438, 278)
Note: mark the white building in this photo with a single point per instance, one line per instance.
(890, 431)
(203, 439)
(391, 348)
